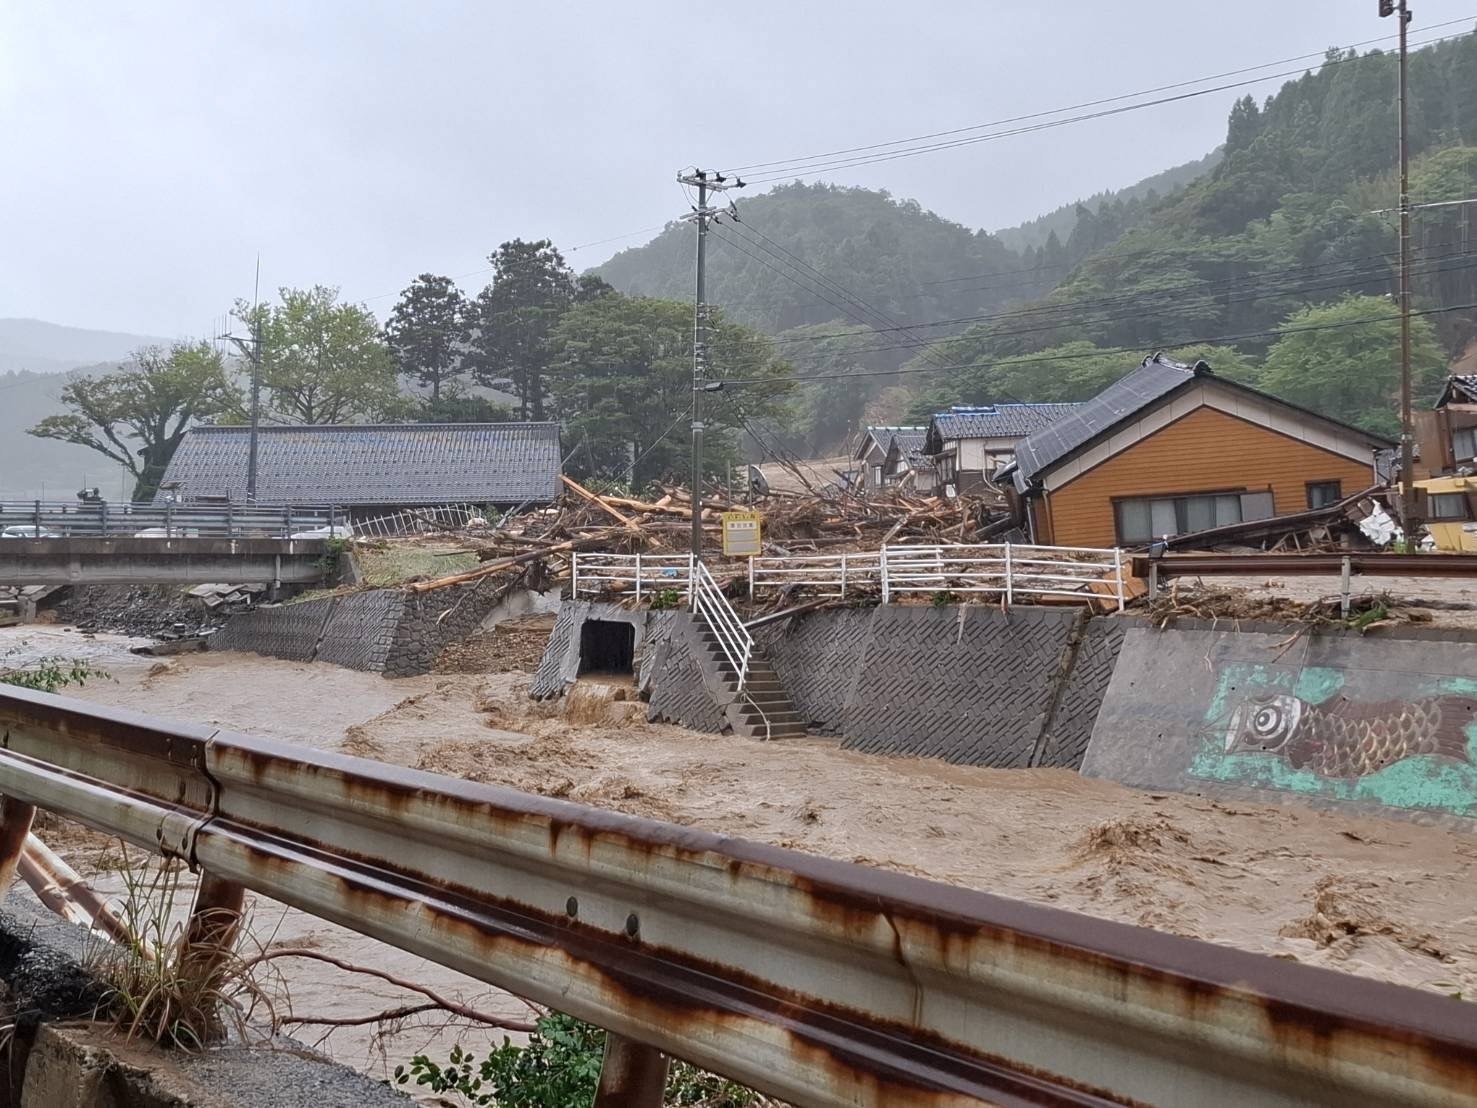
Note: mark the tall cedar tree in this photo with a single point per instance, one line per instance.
(138, 414)
(509, 324)
(424, 332)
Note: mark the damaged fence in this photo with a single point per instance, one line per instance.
(820, 982)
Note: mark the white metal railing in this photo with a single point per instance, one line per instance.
(1011, 571)
(712, 607)
(823, 575)
(427, 520)
(642, 574)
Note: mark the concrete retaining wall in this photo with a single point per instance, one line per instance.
(387, 631)
(1377, 723)
(968, 684)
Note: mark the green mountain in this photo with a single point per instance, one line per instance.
(1292, 229)
(1137, 198)
(51, 348)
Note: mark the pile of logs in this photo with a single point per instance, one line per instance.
(537, 544)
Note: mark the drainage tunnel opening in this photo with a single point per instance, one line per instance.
(607, 646)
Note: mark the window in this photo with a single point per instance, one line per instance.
(1464, 443)
(1323, 493)
(1448, 505)
(1145, 519)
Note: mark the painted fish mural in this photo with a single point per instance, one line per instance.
(1341, 738)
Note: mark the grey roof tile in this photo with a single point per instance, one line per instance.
(992, 421)
(384, 464)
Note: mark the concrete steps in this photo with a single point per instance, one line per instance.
(763, 709)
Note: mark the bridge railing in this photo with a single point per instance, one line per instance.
(53, 519)
(815, 981)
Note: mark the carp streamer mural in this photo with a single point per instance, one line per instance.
(1305, 730)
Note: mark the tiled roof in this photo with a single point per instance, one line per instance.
(993, 421)
(881, 435)
(1155, 377)
(908, 441)
(414, 463)
(1461, 388)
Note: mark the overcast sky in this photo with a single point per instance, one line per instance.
(152, 149)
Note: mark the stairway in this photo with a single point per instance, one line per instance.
(762, 709)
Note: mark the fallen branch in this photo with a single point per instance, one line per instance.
(579, 490)
(436, 1000)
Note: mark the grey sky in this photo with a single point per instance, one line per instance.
(152, 149)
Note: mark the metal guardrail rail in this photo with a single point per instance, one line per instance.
(42, 519)
(821, 982)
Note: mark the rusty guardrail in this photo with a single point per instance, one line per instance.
(821, 982)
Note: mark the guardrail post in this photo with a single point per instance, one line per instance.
(638, 578)
(631, 1075)
(751, 578)
(574, 575)
(230, 520)
(286, 520)
(332, 522)
(103, 519)
(169, 519)
(36, 534)
(1118, 575)
(843, 577)
(1344, 588)
(692, 582)
(15, 825)
(1009, 579)
(886, 588)
(214, 920)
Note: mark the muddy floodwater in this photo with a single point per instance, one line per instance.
(1381, 898)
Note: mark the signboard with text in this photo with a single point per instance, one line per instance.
(741, 534)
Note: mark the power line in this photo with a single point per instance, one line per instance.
(1080, 106)
(808, 166)
(1072, 310)
(1097, 353)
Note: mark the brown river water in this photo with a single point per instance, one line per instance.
(1381, 898)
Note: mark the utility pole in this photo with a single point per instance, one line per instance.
(1399, 9)
(705, 182)
(253, 354)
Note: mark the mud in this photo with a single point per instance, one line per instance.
(1385, 899)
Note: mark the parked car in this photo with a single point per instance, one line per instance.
(337, 531)
(30, 531)
(168, 533)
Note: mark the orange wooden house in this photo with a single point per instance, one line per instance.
(1171, 449)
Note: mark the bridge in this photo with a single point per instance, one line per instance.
(93, 560)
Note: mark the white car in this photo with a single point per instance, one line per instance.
(30, 531)
(337, 531)
(168, 533)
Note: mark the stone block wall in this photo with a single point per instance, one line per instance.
(428, 621)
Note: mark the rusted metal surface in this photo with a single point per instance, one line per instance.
(819, 982)
(15, 827)
(631, 1075)
(59, 887)
(215, 917)
(1325, 565)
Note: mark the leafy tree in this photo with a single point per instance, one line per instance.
(1348, 369)
(456, 406)
(424, 331)
(137, 415)
(322, 361)
(509, 324)
(623, 384)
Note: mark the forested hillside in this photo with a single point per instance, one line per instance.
(1288, 243)
(1130, 202)
(1281, 237)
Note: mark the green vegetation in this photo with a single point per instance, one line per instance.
(559, 1068)
(50, 674)
(394, 564)
(138, 414)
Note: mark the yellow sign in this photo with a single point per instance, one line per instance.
(741, 534)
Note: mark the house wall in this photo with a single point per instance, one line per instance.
(1203, 451)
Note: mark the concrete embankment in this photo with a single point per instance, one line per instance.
(1382, 722)
(57, 1057)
